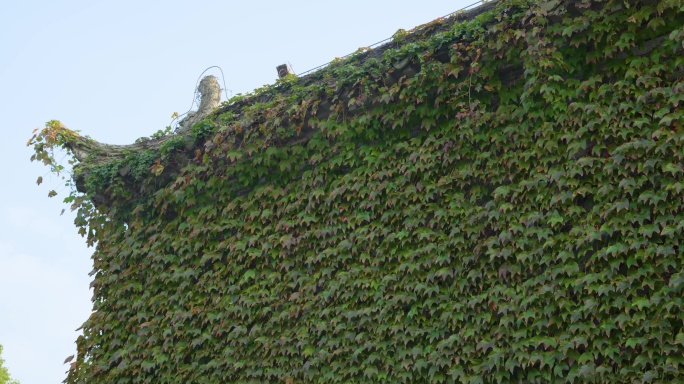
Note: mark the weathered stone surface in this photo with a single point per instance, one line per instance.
(210, 97)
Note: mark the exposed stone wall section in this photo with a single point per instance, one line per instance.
(210, 97)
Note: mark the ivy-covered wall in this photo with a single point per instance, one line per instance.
(510, 210)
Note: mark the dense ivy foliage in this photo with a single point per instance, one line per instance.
(514, 212)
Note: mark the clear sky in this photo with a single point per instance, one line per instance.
(116, 71)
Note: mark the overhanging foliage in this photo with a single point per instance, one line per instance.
(510, 210)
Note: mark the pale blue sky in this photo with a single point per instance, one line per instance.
(117, 70)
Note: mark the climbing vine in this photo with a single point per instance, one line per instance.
(501, 200)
